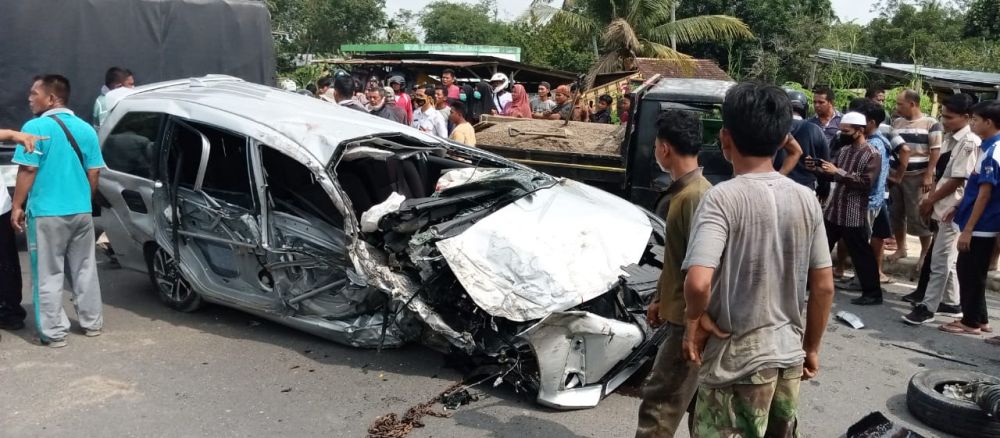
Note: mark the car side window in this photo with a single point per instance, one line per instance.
(133, 145)
(227, 177)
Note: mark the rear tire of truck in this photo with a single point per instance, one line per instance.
(959, 417)
(173, 289)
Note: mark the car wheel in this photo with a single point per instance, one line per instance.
(960, 417)
(170, 285)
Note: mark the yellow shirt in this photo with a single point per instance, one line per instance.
(464, 134)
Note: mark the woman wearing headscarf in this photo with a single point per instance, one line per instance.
(482, 101)
(519, 105)
(465, 95)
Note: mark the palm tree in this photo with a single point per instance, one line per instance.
(631, 29)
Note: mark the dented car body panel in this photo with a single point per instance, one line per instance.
(252, 197)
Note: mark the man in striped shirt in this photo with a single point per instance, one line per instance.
(922, 134)
(855, 170)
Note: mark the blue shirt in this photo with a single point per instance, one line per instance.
(832, 128)
(882, 145)
(61, 187)
(987, 172)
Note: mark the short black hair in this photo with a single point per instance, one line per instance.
(311, 88)
(343, 84)
(606, 98)
(324, 82)
(429, 91)
(826, 91)
(959, 103)
(545, 84)
(57, 85)
(448, 71)
(116, 75)
(627, 97)
(989, 110)
(911, 95)
(873, 91)
(758, 118)
(858, 104)
(872, 110)
(682, 129)
(457, 106)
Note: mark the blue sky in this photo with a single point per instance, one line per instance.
(847, 10)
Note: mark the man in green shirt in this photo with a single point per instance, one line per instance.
(673, 382)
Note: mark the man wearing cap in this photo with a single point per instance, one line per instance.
(855, 170)
(564, 106)
(402, 99)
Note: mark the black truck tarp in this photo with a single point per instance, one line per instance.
(155, 39)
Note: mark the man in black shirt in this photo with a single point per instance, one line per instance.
(813, 143)
(603, 113)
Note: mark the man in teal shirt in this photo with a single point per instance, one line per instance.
(57, 179)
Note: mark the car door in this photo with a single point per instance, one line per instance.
(211, 214)
(130, 152)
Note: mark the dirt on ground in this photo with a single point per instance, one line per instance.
(580, 137)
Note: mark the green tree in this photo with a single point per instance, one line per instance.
(983, 19)
(449, 22)
(400, 28)
(641, 28)
(787, 33)
(321, 26)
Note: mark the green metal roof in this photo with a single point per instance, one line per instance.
(438, 48)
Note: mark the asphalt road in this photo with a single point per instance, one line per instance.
(221, 373)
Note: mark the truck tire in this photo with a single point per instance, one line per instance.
(959, 417)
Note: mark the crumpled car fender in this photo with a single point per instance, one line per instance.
(575, 350)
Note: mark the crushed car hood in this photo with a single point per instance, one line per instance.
(547, 252)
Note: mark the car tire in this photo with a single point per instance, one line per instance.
(170, 284)
(959, 417)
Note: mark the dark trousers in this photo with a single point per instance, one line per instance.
(858, 246)
(669, 389)
(925, 273)
(10, 274)
(973, 267)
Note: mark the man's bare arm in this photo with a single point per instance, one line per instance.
(93, 176)
(817, 316)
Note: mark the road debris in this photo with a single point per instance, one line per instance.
(933, 354)
(391, 426)
(876, 425)
(851, 319)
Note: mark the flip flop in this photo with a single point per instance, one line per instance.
(895, 257)
(885, 279)
(986, 329)
(993, 341)
(959, 329)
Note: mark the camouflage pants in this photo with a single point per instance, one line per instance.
(763, 404)
(669, 389)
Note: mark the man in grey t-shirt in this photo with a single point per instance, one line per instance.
(755, 243)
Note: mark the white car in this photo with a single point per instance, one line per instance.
(373, 234)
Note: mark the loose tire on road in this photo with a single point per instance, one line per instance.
(170, 284)
(963, 418)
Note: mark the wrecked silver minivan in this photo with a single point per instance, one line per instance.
(372, 234)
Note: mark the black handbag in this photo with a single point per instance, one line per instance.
(95, 208)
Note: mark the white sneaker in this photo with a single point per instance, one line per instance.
(56, 343)
(92, 333)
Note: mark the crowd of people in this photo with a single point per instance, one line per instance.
(736, 366)
(448, 110)
(801, 187)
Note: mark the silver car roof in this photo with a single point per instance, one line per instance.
(319, 127)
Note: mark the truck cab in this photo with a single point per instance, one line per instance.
(644, 182)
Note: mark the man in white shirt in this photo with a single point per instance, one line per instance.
(11, 313)
(426, 118)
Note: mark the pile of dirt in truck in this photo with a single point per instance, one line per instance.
(554, 135)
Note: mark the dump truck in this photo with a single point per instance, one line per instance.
(618, 159)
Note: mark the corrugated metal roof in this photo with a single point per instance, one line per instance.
(943, 77)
